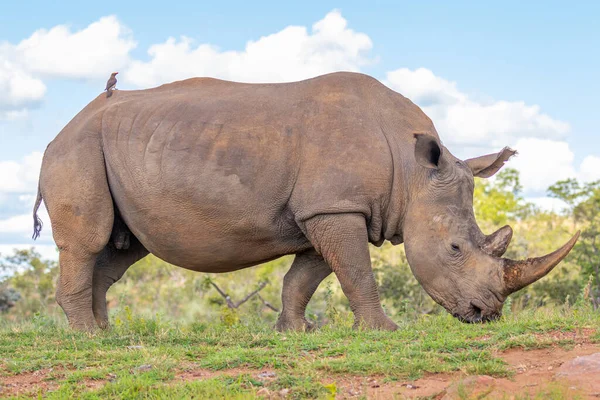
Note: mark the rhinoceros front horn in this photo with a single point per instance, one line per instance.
(518, 274)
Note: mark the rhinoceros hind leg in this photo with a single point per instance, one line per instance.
(75, 190)
(80, 207)
(110, 266)
(342, 240)
(306, 273)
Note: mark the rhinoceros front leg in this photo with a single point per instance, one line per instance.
(343, 242)
(306, 273)
(74, 288)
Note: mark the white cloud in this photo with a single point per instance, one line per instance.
(288, 55)
(424, 88)
(92, 52)
(462, 120)
(542, 162)
(16, 224)
(22, 225)
(590, 169)
(21, 177)
(18, 89)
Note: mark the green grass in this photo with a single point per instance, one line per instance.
(106, 365)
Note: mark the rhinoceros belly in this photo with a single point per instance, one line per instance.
(201, 193)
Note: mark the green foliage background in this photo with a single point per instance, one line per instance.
(153, 287)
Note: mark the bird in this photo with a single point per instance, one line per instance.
(111, 83)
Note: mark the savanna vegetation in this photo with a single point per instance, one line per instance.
(168, 321)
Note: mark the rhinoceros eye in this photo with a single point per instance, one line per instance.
(455, 247)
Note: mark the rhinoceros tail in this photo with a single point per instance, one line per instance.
(37, 222)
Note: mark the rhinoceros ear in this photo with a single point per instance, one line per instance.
(488, 165)
(428, 151)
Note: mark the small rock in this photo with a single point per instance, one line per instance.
(372, 382)
(580, 365)
(284, 392)
(353, 392)
(550, 368)
(135, 347)
(266, 374)
(409, 386)
(144, 367)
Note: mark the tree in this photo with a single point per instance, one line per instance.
(498, 201)
(584, 206)
(30, 282)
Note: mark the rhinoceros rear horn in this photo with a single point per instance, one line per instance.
(518, 274)
(497, 243)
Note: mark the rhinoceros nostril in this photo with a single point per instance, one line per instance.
(476, 313)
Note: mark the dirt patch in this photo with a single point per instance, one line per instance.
(40, 382)
(27, 383)
(376, 387)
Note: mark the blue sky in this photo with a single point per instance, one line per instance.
(523, 74)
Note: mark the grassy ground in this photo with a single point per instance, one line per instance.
(149, 358)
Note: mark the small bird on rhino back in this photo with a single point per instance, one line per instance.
(111, 83)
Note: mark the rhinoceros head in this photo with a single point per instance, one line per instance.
(461, 268)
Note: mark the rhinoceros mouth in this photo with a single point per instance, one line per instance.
(476, 315)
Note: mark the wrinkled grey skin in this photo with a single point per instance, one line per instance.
(216, 176)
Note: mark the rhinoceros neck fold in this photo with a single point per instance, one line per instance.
(395, 212)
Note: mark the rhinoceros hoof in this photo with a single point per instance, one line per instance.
(296, 324)
(381, 323)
